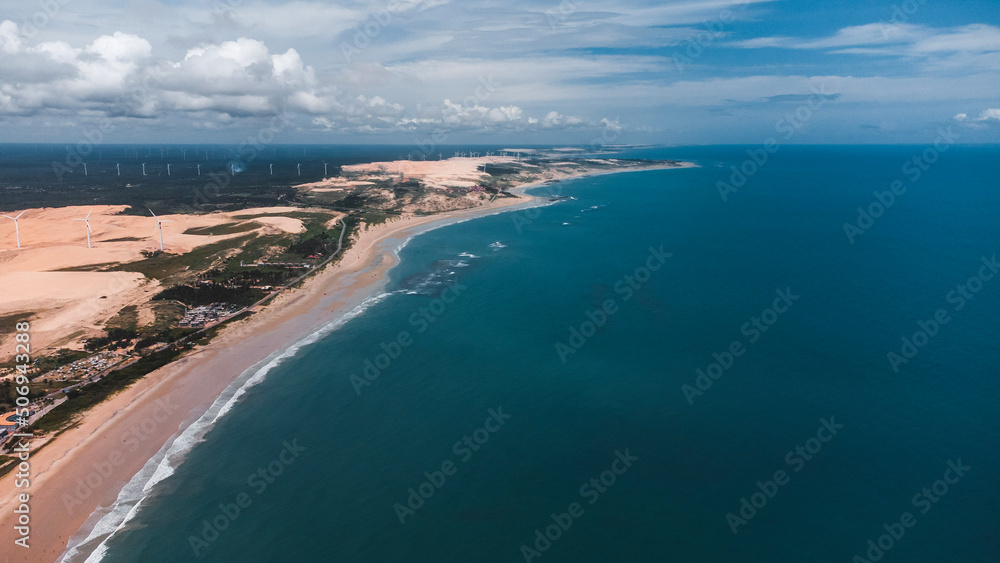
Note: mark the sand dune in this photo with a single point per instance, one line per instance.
(454, 172)
(70, 306)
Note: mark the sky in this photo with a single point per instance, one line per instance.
(535, 72)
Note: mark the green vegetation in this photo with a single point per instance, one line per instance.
(162, 266)
(198, 295)
(224, 229)
(85, 397)
(59, 359)
(375, 218)
(126, 319)
(8, 394)
(9, 322)
(115, 338)
(166, 314)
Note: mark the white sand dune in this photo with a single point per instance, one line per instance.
(69, 306)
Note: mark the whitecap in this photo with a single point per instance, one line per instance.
(161, 466)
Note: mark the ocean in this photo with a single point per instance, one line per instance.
(777, 357)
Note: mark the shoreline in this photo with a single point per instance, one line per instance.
(127, 443)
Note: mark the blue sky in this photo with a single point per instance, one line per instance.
(560, 71)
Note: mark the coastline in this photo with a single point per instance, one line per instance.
(107, 456)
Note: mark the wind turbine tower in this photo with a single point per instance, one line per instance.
(17, 231)
(143, 168)
(159, 226)
(87, 221)
(119, 168)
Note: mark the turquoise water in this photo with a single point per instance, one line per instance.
(341, 461)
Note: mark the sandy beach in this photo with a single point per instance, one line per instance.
(86, 467)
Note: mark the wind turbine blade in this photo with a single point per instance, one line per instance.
(89, 212)
(154, 214)
(19, 214)
(9, 217)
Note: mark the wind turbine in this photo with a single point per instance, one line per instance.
(326, 170)
(272, 170)
(17, 231)
(199, 170)
(168, 170)
(119, 167)
(300, 169)
(159, 225)
(85, 169)
(87, 221)
(143, 168)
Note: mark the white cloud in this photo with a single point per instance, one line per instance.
(971, 38)
(987, 116)
(897, 38)
(10, 37)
